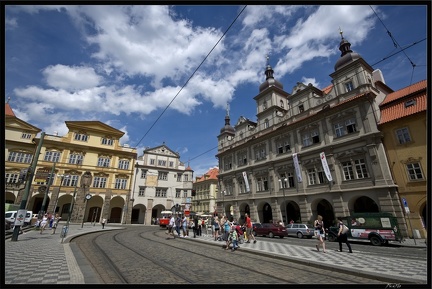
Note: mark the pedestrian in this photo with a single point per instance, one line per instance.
(227, 227)
(191, 226)
(234, 238)
(55, 223)
(44, 223)
(216, 228)
(199, 228)
(185, 226)
(103, 223)
(178, 225)
(171, 225)
(320, 233)
(343, 235)
(249, 234)
(51, 220)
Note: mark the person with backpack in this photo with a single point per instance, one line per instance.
(343, 235)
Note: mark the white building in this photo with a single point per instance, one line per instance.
(161, 182)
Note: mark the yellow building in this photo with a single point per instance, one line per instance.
(207, 189)
(88, 161)
(404, 125)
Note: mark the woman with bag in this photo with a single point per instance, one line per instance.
(342, 235)
(320, 232)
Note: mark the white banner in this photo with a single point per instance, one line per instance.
(246, 182)
(325, 166)
(297, 167)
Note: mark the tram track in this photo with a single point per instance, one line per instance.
(148, 257)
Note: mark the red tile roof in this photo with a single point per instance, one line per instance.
(8, 110)
(395, 105)
(212, 174)
(327, 89)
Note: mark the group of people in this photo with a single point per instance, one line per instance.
(342, 235)
(50, 220)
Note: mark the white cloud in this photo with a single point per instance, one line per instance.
(71, 78)
(11, 23)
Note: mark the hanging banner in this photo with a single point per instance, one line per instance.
(326, 167)
(297, 167)
(246, 182)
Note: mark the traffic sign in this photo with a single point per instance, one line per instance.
(405, 203)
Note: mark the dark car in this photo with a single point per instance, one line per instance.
(271, 230)
(300, 230)
(8, 225)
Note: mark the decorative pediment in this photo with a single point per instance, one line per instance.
(93, 127)
(162, 150)
(18, 124)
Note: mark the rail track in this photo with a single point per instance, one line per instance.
(148, 257)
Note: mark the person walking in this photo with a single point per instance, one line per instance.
(44, 223)
(249, 234)
(320, 233)
(199, 227)
(103, 223)
(216, 226)
(185, 227)
(171, 225)
(55, 223)
(234, 239)
(343, 235)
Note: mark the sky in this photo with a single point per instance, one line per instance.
(165, 74)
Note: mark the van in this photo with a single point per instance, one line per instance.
(376, 228)
(11, 215)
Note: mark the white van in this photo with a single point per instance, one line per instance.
(11, 215)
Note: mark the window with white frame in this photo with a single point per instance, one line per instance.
(120, 183)
(354, 169)
(107, 141)
(163, 176)
(76, 159)
(81, 137)
(316, 176)
(345, 127)
(152, 161)
(403, 135)
(414, 172)
(52, 156)
(185, 194)
(72, 181)
(161, 192)
(141, 191)
(179, 177)
(242, 158)
(99, 182)
(103, 162)
(283, 146)
(186, 178)
(349, 86)
(262, 184)
(26, 135)
(177, 193)
(20, 157)
(310, 138)
(266, 123)
(123, 164)
(143, 173)
(11, 178)
(162, 163)
(241, 185)
(260, 152)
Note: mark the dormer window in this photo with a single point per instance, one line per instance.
(301, 108)
(264, 105)
(107, 141)
(410, 102)
(81, 137)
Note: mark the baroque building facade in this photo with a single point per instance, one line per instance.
(206, 189)
(88, 160)
(161, 182)
(404, 125)
(273, 168)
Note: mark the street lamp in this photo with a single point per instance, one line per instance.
(62, 177)
(66, 227)
(283, 184)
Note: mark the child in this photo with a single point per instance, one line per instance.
(234, 237)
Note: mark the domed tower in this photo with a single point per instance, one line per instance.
(227, 133)
(347, 55)
(270, 80)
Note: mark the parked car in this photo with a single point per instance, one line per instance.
(8, 225)
(271, 230)
(300, 230)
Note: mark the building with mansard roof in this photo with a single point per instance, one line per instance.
(161, 182)
(310, 151)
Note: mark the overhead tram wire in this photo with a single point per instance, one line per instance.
(187, 81)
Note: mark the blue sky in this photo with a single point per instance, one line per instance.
(123, 65)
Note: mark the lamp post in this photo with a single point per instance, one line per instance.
(66, 227)
(32, 169)
(283, 184)
(50, 179)
(62, 177)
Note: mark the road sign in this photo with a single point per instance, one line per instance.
(19, 220)
(405, 203)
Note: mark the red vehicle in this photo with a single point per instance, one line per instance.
(164, 219)
(270, 229)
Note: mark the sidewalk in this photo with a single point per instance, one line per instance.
(63, 263)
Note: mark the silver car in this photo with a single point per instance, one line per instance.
(300, 230)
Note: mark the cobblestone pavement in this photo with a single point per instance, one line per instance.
(44, 259)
